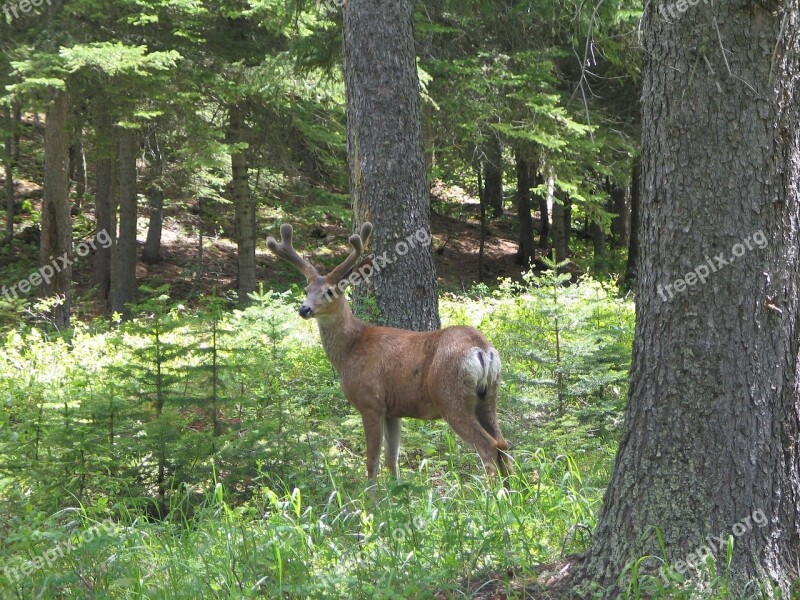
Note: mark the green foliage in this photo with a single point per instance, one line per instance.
(222, 448)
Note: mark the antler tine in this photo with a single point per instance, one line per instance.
(357, 241)
(286, 251)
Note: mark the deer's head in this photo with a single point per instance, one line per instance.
(324, 293)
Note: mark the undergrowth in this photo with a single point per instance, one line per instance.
(224, 460)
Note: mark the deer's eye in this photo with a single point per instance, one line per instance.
(330, 293)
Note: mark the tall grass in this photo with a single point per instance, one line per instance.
(273, 506)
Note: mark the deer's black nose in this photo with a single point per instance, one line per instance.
(305, 311)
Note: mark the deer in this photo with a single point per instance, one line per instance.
(389, 374)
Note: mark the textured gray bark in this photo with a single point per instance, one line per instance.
(56, 245)
(388, 183)
(103, 203)
(712, 426)
(243, 205)
(123, 271)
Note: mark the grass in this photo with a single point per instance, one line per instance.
(275, 505)
(427, 533)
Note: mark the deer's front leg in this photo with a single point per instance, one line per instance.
(373, 422)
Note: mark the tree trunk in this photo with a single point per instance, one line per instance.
(493, 174)
(544, 224)
(567, 224)
(77, 167)
(636, 222)
(709, 447)
(56, 246)
(482, 243)
(8, 164)
(525, 250)
(103, 199)
(388, 183)
(151, 254)
(621, 221)
(244, 207)
(598, 235)
(123, 271)
(16, 129)
(561, 226)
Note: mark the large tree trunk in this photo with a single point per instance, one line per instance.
(388, 183)
(636, 222)
(243, 205)
(8, 166)
(56, 247)
(524, 181)
(103, 199)
(151, 253)
(123, 267)
(493, 175)
(710, 442)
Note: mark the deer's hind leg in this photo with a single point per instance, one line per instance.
(486, 413)
(391, 434)
(469, 429)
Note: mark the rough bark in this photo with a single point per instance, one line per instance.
(388, 183)
(151, 254)
(103, 200)
(243, 205)
(525, 252)
(123, 266)
(636, 222)
(56, 244)
(710, 441)
(493, 175)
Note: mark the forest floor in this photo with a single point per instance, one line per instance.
(455, 224)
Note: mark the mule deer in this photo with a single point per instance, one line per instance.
(389, 373)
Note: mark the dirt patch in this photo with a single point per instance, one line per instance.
(548, 582)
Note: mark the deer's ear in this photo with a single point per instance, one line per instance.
(360, 272)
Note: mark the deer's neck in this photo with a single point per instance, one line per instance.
(340, 332)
